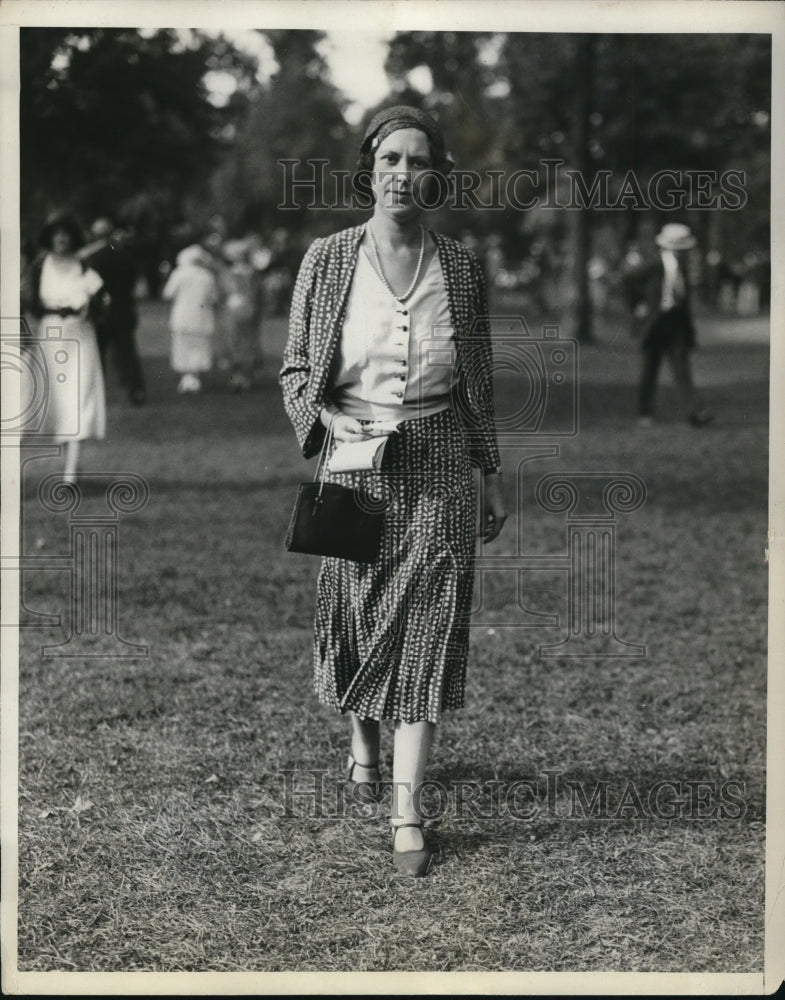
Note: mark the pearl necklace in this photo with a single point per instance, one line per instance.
(415, 279)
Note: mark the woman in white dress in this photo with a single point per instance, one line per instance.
(62, 290)
(193, 290)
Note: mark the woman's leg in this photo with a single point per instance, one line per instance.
(71, 460)
(365, 748)
(411, 749)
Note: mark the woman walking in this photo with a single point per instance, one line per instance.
(61, 290)
(389, 325)
(193, 289)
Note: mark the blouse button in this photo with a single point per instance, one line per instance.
(402, 378)
(398, 394)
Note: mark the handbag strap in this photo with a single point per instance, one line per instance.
(322, 463)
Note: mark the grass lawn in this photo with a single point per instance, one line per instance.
(165, 820)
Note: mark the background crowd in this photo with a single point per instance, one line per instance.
(207, 122)
(253, 274)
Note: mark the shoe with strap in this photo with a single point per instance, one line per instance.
(373, 784)
(412, 864)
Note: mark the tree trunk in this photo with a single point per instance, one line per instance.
(583, 227)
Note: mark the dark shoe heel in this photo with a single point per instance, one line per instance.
(412, 864)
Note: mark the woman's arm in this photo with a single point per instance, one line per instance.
(309, 418)
(483, 445)
(170, 288)
(295, 374)
(475, 389)
(31, 288)
(494, 513)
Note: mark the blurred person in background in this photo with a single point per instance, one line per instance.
(27, 256)
(764, 281)
(279, 274)
(728, 280)
(111, 256)
(754, 290)
(212, 244)
(192, 289)
(391, 637)
(470, 240)
(659, 297)
(242, 300)
(63, 293)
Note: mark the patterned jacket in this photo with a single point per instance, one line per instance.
(316, 320)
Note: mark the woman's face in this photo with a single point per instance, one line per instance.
(61, 240)
(400, 159)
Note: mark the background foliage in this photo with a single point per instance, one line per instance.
(123, 122)
(122, 119)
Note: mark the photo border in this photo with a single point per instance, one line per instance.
(574, 16)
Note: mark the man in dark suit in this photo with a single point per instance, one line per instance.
(660, 301)
(110, 255)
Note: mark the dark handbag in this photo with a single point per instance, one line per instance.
(333, 520)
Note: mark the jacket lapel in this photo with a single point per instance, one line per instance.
(462, 310)
(336, 284)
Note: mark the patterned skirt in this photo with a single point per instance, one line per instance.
(391, 637)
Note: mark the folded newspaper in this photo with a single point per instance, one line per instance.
(355, 456)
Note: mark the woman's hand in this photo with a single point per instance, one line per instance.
(493, 512)
(345, 428)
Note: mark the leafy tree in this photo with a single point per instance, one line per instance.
(623, 104)
(458, 98)
(115, 116)
(297, 116)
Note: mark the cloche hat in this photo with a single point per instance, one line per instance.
(398, 116)
(675, 236)
(389, 120)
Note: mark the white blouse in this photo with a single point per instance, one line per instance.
(673, 283)
(66, 285)
(394, 361)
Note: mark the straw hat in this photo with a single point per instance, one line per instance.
(675, 236)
